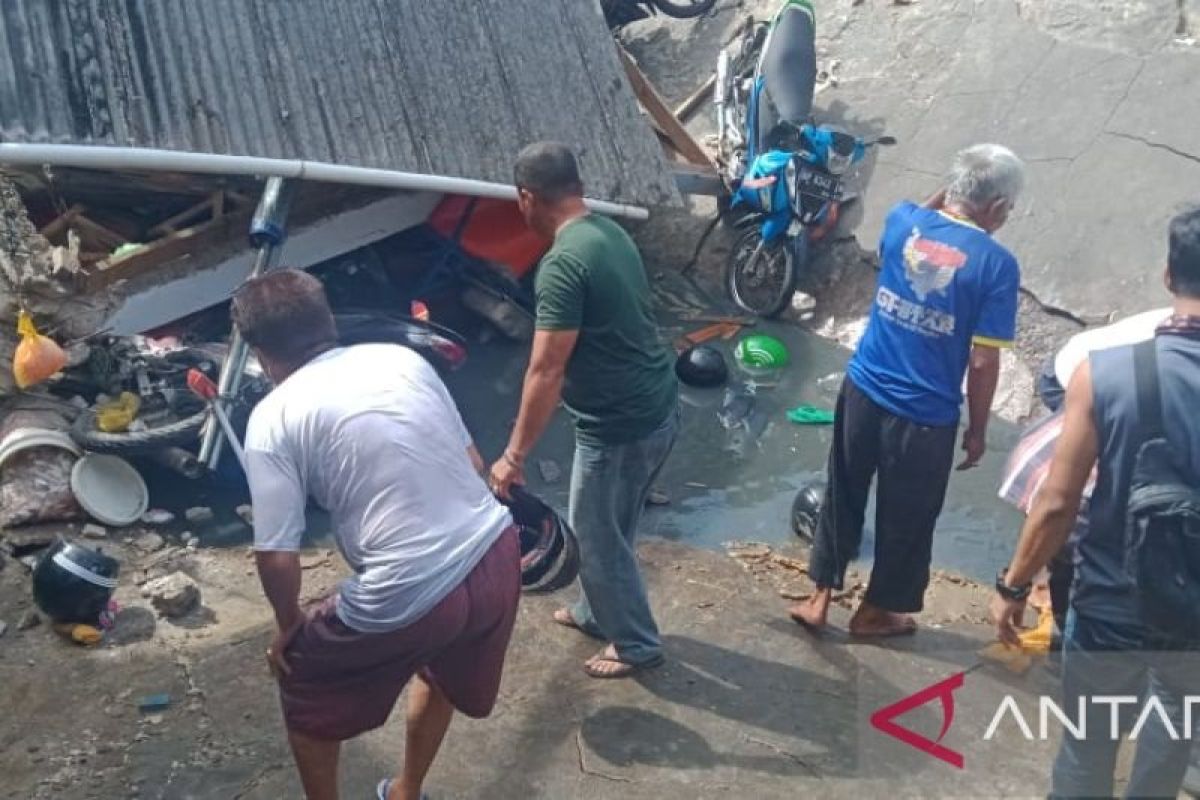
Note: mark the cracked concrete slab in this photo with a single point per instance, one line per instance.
(1141, 27)
(1093, 94)
(1090, 94)
(1157, 108)
(1102, 244)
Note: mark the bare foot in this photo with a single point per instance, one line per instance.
(564, 617)
(813, 612)
(871, 620)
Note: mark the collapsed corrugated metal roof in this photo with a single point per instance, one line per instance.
(444, 88)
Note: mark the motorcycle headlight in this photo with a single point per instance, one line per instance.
(837, 164)
(790, 177)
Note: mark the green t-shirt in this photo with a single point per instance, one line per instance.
(620, 382)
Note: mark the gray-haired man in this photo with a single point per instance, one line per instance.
(945, 304)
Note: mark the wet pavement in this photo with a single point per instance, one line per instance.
(724, 489)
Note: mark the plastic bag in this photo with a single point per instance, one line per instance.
(117, 416)
(37, 357)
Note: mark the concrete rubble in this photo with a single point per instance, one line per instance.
(94, 531)
(173, 595)
(199, 515)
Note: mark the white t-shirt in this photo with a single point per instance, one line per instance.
(1130, 330)
(372, 435)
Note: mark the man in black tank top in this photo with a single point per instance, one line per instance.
(1108, 650)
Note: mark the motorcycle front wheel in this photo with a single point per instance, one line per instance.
(131, 443)
(761, 276)
(684, 9)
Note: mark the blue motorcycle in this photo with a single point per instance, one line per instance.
(783, 173)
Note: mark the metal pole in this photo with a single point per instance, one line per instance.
(268, 229)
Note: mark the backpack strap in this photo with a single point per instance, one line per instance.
(1149, 396)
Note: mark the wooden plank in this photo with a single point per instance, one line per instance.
(173, 246)
(190, 213)
(60, 223)
(654, 104)
(93, 231)
(693, 100)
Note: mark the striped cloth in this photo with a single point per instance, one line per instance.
(1029, 463)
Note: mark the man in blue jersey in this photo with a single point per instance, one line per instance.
(946, 304)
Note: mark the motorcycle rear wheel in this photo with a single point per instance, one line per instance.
(761, 276)
(684, 9)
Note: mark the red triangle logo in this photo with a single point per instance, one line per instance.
(883, 720)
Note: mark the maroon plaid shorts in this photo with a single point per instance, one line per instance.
(344, 682)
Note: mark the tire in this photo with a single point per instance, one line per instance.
(765, 299)
(185, 431)
(681, 9)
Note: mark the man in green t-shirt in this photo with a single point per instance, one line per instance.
(597, 349)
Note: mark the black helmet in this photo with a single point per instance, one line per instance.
(73, 583)
(806, 508)
(701, 365)
(549, 552)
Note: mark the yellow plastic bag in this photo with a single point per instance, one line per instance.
(37, 356)
(118, 415)
(86, 635)
(1037, 640)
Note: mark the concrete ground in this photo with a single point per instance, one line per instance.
(1090, 94)
(748, 703)
(1093, 95)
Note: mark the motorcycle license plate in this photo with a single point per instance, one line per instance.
(821, 184)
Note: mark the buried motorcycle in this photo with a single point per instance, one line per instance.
(169, 414)
(784, 174)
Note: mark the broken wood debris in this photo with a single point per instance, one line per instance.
(690, 103)
(664, 120)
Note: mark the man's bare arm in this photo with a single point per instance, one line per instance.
(936, 200)
(476, 459)
(1057, 504)
(542, 391)
(983, 375)
(280, 573)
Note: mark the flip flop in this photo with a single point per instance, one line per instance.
(625, 669)
(385, 785)
(810, 415)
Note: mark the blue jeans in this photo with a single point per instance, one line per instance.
(1100, 658)
(609, 484)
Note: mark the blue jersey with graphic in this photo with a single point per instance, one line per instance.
(943, 283)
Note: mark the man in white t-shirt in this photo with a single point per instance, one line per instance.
(1057, 371)
(372, 436)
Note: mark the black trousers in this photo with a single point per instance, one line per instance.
(912, 463)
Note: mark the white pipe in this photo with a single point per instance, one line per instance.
(144, 158)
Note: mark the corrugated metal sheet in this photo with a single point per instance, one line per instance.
(449, 87)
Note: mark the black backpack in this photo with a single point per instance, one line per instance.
(1162, 528)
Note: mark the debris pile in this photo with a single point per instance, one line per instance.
(174, 595)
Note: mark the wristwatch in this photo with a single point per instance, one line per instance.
(1014, 593)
